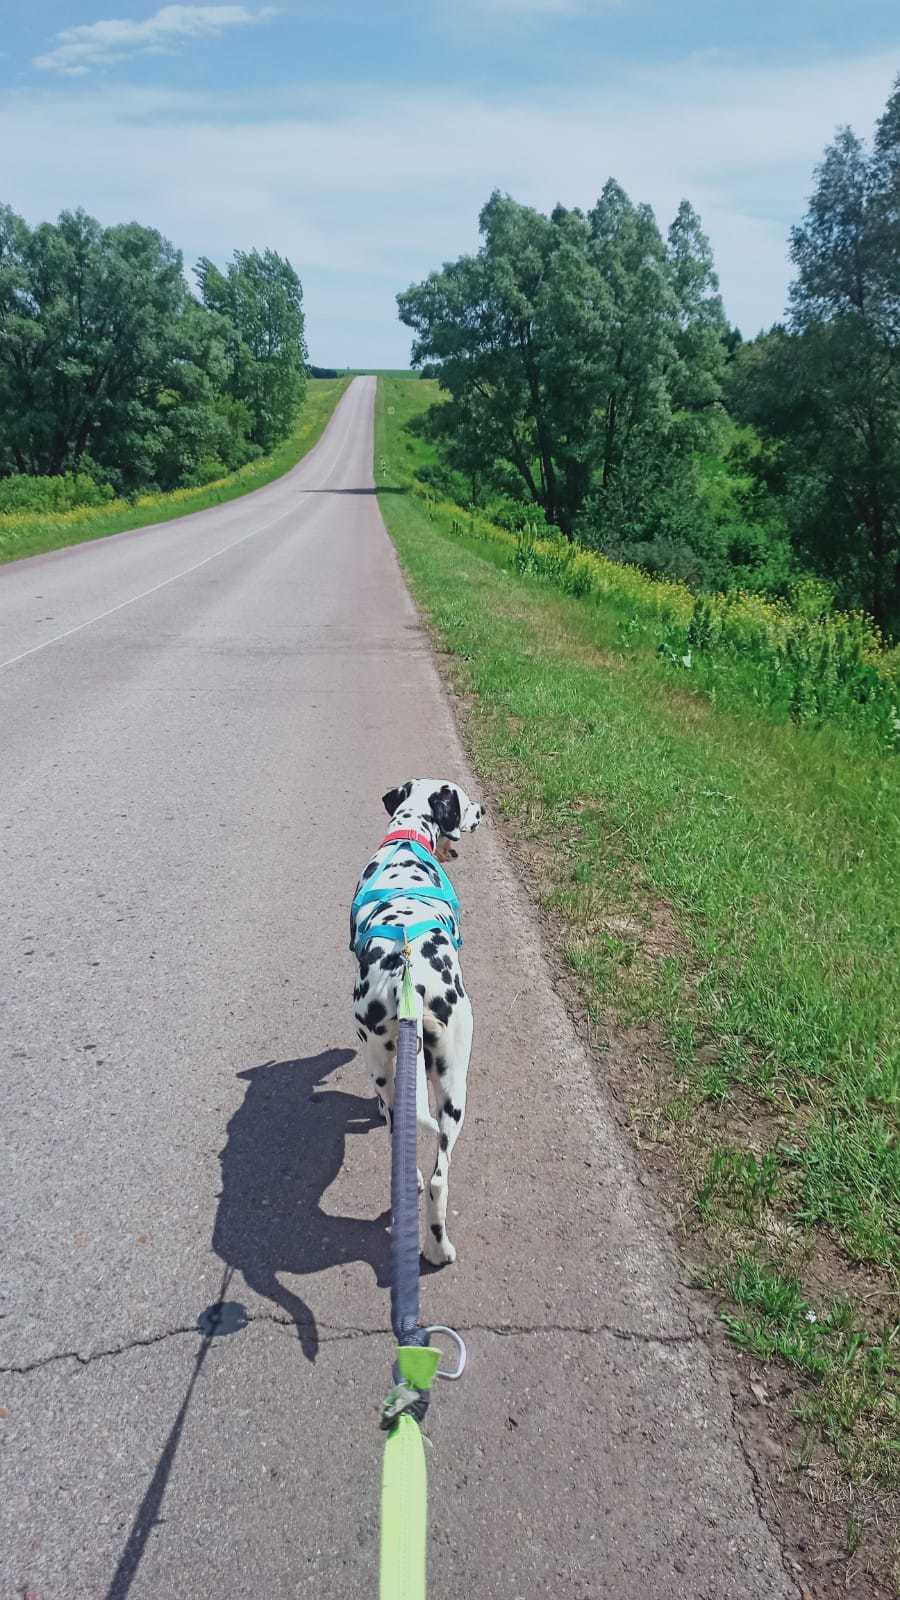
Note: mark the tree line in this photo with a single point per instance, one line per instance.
(592, 381)
(110, 366)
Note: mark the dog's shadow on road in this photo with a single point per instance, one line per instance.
(285, 1146)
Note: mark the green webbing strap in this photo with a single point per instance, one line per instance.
(404, 1489)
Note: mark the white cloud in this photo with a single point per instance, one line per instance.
(333, 179)
(95, 44)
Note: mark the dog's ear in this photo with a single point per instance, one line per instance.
(395, 798)
(445, 808)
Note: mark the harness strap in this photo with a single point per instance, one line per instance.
(416, 892)
(414, 930)
(442, 891)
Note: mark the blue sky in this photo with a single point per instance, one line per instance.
(361, 140)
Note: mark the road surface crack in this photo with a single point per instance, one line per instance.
(336, 1334)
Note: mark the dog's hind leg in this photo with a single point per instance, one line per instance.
(449, 1071)
(381, 1055)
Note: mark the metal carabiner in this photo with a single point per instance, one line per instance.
(459, 1341)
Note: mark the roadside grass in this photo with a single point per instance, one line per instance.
(728, 890)
(31, 533)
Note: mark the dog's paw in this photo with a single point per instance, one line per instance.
(439, 1252)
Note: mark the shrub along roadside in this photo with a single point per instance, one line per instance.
(729, 888)
(799, 661)
(27, 533)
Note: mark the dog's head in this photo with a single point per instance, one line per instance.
(434, 805)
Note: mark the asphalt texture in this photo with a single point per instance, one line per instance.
(198, 720)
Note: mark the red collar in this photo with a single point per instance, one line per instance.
(409, 833)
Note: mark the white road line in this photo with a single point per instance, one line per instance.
(145, 592)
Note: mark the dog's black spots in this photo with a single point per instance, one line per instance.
(361, 1034)
(429, 1034)
(439, 939)
(438, 1231)
(430, 948)
(389, 1045)
(444, 807)
(445, 1140)
(457, 984)
(450, 1110)
(369, 870)
(380, 1083)
(420, 989)
(396, 797)
(429, 1059)
(451, 997)
(440, 1009)
(392, 961)
(374, 1016)
(356, 992)
(437, 966)
(441, 1067)
(363, 989)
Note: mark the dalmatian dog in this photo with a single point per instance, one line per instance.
(432, 814)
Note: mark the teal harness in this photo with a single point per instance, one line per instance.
(443, 921)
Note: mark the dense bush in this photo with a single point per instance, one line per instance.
(22, 492)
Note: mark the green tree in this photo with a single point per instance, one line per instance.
(104, 355)
(824, 391)
(509, 330)
(581, 355)
(260, 297)
(695, 381)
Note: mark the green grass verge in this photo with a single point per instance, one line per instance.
(28, 534)
(729, 890)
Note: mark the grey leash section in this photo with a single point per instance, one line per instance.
(404, 1185)
(405, 1188)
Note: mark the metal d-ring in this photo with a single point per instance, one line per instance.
(459, 1341)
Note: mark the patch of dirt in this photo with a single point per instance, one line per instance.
(837, 1540)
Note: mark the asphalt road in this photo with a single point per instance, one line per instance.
(196, 723)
